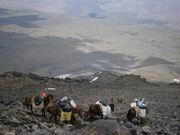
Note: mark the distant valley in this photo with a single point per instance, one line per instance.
(54, 43)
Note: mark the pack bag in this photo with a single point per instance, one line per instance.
(103, 102)
(61, 103)
(66, 107)
(66, 103)
(65, 116)
(133, 104)
(63, 100)
(142, 113)
(139, 103)
(73, 104)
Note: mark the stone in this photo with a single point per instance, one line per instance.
(68, 127)
(35, 127)
(164, 131)
(146, 130)
(123, 129)
(14, 120)
(135, 132)
(10, 133)
(121, 122)
(41, 132)
(58, 132)
(21, 131)
(175, 115)
(129, 125)
(26, 127)
(102, 127)
(79, 121)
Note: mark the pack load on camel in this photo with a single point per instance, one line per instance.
(38, 101)
(65, 106)
(66, 109)
(101, 108)
(105, 108)
(138, 109)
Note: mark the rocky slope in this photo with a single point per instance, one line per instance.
(163, 109)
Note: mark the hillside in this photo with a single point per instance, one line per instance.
(162, 117)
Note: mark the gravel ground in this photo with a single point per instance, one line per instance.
(163, 115)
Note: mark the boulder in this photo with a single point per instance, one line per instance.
(102, 127)
(68, 128)
(35, 127)
(147, 130)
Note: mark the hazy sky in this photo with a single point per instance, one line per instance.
(163, 10)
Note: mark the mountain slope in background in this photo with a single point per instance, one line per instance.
(89, 36)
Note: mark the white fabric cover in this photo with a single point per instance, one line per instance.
(106, 110)
(65, 98)
(38, 106)
(133, 104)
(142, 113)
(73, 104)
